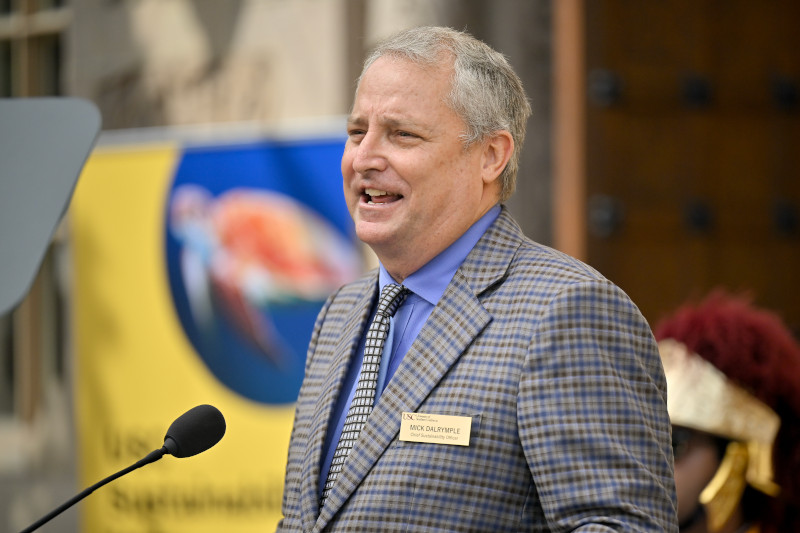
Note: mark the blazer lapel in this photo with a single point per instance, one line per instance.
(328, 394)
(453, 325)
(442, 340)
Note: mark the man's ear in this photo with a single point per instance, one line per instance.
(497, 150)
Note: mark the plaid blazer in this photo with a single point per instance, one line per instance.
(562, 379)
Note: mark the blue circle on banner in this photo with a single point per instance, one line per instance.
(257, 236)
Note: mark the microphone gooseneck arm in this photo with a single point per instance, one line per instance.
(195, 431)
(151, 457)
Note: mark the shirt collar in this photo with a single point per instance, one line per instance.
(431, 280)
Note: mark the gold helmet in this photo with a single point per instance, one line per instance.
(702, 398)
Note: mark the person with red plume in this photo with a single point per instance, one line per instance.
(733, 377)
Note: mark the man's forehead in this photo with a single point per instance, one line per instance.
(398, 103)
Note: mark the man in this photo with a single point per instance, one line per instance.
(519, 390)
(733, 372)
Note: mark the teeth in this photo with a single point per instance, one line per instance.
(375, 192)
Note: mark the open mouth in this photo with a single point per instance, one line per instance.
(377, 196)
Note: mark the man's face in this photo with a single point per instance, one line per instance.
(696, 461)
(410, 185)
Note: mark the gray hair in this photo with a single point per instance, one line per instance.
(486, 92)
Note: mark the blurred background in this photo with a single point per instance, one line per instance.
(663, 151)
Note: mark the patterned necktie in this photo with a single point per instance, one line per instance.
(391, 297)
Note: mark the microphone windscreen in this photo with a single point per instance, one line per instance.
(195, 431)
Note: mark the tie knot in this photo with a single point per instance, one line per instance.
(392, 296)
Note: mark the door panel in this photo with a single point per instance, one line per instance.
(693, 149)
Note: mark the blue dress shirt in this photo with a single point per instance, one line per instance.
(427, 286)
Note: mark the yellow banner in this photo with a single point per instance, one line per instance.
(136, 371)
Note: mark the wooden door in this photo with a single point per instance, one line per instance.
(691, 158)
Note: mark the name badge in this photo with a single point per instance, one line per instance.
(436, 429)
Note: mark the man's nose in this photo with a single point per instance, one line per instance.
(370, 154)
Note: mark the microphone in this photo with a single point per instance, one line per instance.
(195, 431)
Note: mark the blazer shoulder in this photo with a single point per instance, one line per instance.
(547, 261)
(534, 260)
